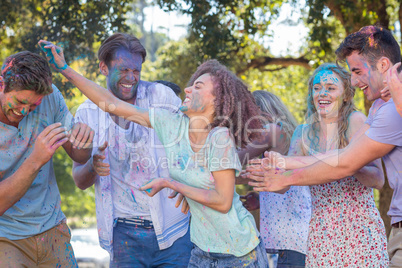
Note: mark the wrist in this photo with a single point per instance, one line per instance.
(290, 178)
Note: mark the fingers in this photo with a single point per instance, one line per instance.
(81, 136)
(179, 200)
(49, 128)
(257, 176)
(103, 146)
(173, 194)
(256, 161)
(185, 208)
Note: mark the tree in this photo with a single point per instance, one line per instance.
(77, 26)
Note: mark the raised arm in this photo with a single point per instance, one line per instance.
(97, 94)
(219, 199)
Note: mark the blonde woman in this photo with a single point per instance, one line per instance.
(346, 229)
(284, 219)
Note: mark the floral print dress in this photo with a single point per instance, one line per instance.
(346, 229)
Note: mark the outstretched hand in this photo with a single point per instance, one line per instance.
(266, 179)
(154, 186)
(54, 55)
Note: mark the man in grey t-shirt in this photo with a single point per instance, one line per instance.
(369, 53)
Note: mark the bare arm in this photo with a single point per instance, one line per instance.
(370, 175)
(14, 187)
(97, 94)
(219, 199)
(355, 156)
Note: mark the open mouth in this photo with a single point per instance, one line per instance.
(16, 113)
(187, 99)
(324, 102)
(364, 89)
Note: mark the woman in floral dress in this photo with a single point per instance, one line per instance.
(346, 229)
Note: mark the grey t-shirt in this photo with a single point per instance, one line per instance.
(386, 127)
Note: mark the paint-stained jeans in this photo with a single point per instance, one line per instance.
(49, 249)
(286, 258)
(256, 258)
(136, 246)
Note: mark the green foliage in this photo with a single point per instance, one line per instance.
(76, 25)
(219, 28)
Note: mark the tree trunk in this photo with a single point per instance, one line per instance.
(385, 201)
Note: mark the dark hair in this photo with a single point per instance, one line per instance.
(235, 107)
(120, 40)
(372, 42)
(176, 89)
(27, 71)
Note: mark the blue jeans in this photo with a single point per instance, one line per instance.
(288, 259)
(136, 246)
(256, 258)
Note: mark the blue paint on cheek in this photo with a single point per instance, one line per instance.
(183, 108)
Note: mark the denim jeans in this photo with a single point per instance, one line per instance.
(136, 246)
(288, 259)
(256, 258)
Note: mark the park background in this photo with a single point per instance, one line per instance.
(272, 45)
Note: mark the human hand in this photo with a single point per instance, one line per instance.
(251, 201)
(267, 180)
(101, 168)
(271, 160)
(154, 186)
(185, 208)
(54, 55)
(393, 81)
(81, 136)
(47, 142)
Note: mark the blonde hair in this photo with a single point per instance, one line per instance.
(276, 112)
(345, 110)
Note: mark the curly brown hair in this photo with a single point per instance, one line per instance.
(235, 107)
(27, 71)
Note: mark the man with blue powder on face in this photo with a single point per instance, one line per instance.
(137, 230)
(34, 122)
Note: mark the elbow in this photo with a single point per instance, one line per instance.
(224, 208)
(81, 184)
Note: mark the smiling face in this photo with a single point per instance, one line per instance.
(366, 77)
(15, 105)
(123, 74)
(328, 91)
(199, 97)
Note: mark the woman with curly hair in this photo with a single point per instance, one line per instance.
(200, 146)
(345, 228)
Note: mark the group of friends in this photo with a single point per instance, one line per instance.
(154, 158)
